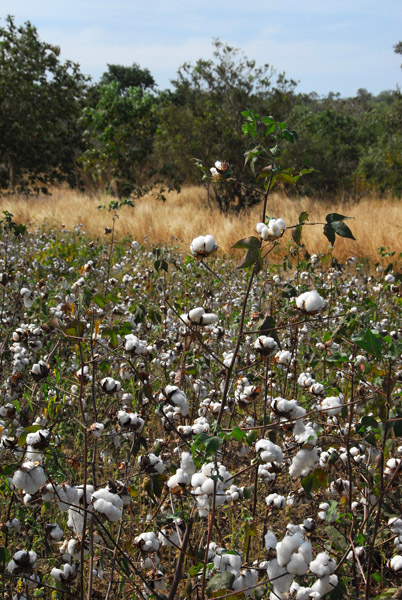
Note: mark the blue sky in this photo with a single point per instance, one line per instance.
(325, 45)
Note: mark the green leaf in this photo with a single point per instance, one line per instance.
(237, 434)
(371, 342)
(213, 444)
(252, 257)
(342, 229)
(332, 512)
(329, 233)
(221, 581)
(303, 217)
(99, 300)
(335, 217)
(249, 243)
(297, 234)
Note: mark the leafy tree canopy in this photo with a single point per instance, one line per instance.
(40, 101)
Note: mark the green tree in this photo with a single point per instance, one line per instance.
(202, 119)
(40, 102)
(118, 134)
(133, 76)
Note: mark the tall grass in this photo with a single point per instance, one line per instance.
(377, 222)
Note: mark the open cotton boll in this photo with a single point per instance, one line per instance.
(396, 563)
(310, 302)
(324, 585)
(280, 578)
(64, 575)
(276, 500)
(179, 479)
(134, 345)
(23, 561)
(303, 462)
(203, 245)
(265, 345)
(147, 542)
(269, 452)
(108, 504)
(30, 477)
(270, 540)
(332, 405)
(274, 230)
(187, 463)
(322, 565)
(228, 562)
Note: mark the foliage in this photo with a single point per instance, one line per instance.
(40, 102)
(118, 134)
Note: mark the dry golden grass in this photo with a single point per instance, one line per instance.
(377, 222)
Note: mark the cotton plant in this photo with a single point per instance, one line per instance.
(310, 302)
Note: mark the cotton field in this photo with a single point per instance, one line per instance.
(184, 425)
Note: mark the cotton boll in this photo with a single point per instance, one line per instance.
(322, 565)
(265, 345)
(270, 540)
(269, 452)
(310, 302)
(29, 478)
(108, 504)
(396, 563)
(303, 462)
(332, 405)
(279, 576)
(324, 585)
(275, 500)
(64, 575)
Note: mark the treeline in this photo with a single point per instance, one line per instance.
(123, 136)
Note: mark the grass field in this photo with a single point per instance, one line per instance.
(377, 222)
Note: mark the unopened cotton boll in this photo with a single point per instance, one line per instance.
(310, 302)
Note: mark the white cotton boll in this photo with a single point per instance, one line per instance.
(208, 486)
(265, 345)
(270, 540)
(180, 478)
(332, 405)
(96, 429)
(324, 585)
(283, 357)
(269, 452)
(209, 318)
(396, 563)
(281, 224)
(259, 227)
(195, 315)
(54, 532)
(276, 500)
(228, 562)
(274, 230)
(197, 479)
(303, 462)
(279, 576)
(322, 565)
(29, 478)
(310, 302)
(66, 574)
(210, 244)
(187, 464)
(108, 504)
(395, 524)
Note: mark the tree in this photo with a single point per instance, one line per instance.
(118, 134)
(40, 101)
(202, 118)
(128, 77)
